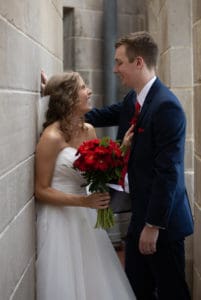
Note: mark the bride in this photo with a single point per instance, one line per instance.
(75, 261)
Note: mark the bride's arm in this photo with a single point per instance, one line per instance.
(47, 151)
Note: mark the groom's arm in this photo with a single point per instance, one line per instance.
(112, 114)
(168, 163)
(106, 116)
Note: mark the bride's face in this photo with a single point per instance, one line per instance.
(84, 94)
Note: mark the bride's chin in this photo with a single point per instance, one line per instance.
(88, 109)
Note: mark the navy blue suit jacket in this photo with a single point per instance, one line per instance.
(156, 164)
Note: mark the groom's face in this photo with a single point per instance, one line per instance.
(127, 71)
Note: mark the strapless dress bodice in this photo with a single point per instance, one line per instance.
(65, 177)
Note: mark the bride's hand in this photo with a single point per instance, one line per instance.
(97, 200)
(128, 137)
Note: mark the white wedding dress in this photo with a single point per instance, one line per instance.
(75, 261)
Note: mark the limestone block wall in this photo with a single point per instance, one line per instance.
(83, 39)
(27, 44)
(131, 17)
(83, 42)
(169, 21)
(197, 155)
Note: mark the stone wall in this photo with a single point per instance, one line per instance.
(197, 154)
(27, 45)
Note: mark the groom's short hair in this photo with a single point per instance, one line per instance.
(142, 44)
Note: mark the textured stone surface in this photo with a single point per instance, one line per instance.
(16, 189)
(197, 51)
(36, 19)
(18, 128)
(17, 247)
(179, 12)
(164, 68)
(88, 53)
(189, 155)
(181, 74)
(197, 180)
(197, 109)
(88, 23)
(196, 12)
(197, 239)
(189, 178)
(25, 290)
(84, 4)
(17, 54)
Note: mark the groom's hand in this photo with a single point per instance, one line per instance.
(148, 240)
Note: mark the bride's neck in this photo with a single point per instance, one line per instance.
(77, 122)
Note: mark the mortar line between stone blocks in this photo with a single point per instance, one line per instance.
(87, 38)
(57, 10)
(90, 70)
(85, 8)
(17, 166)
(182, 88)
(197, 84)
(30, 38)
(196, 23)
(197, 156)
(32, 259)
(20, 91)
(196, 204)
(189, 172)
(16, 216)
(190, 139)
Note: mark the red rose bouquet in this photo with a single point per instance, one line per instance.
(100, 161)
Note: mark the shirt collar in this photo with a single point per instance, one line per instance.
(142, 95)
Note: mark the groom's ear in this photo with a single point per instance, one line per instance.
(139, 62)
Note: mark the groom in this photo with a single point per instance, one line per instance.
(161, 214)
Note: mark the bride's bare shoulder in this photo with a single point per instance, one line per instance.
(91, 130)
(52, 135)
(89, 126)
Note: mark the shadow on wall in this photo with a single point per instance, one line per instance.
(42, 108)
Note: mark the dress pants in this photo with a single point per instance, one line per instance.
(159, 276)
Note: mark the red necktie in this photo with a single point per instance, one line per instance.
(127, 154)
(136, 113)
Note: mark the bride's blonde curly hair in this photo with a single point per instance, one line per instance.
(63, 91)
